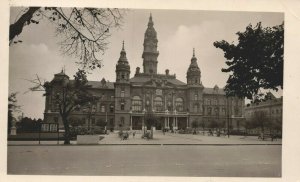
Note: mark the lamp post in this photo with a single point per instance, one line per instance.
(130, 112)
(105, 122)
(144, 113)
(228, 114)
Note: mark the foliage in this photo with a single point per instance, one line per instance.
(70, 95)
(260, 120)
(255, 63)
(101, 123)
(84, 31)
(195, 124)
(213, 124)
(12, 107)
(150, 119)
(28, 125)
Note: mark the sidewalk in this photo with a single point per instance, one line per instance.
(167, 139)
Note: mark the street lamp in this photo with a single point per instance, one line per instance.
(130, 112)
(144, 113)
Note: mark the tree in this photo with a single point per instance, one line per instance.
(213, 124)
(255, 63)
(150, 120)
(27, 124)
(195, 124)
(12, 107)
(83, 31)
(69, 97)
(260, 120)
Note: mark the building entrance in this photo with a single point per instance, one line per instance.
(182, 123)
(137, 122)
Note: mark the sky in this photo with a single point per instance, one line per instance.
(178, 32)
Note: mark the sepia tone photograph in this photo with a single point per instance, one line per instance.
(145, 92)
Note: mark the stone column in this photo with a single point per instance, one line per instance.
(130, 121)
(187, 121)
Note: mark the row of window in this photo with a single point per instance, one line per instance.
(158, 104)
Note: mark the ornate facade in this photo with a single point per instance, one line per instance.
(175, 104)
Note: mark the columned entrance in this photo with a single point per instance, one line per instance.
(168, 122)
(182, 123)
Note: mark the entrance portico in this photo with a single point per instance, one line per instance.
(168, 121)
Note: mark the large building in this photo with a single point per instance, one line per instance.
(270, 109)
(175, 104)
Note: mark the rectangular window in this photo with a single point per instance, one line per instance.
(122, 106)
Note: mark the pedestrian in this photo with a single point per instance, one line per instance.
(133, 134)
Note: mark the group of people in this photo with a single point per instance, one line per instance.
(125, 135)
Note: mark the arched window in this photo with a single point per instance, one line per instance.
(111, 108)
(122, 121)
(102, 108)
(209, 111)
(122, 93)
(196, 107)
(196, 96)
(136, 103)
(216, 110)
(215, 102)
(179, 104)
(158, 104)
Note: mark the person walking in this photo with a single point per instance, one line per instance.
(133, 134)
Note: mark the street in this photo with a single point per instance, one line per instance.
(147, 160)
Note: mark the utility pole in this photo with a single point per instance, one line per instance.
(228, 117)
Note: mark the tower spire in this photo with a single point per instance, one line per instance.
(194, 73)
(150, 23)
(123, 46)
(150, 52)
(193, 52)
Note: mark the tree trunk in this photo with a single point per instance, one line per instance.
(17, 27)
(67, 130)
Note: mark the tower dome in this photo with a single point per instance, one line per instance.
(123, 67)
(193, 73)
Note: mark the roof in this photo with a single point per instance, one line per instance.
(144, 79)
(98, 84)
(219, 91)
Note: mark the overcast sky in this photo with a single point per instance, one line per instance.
(178, 33)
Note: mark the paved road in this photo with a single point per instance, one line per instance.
(225, 161)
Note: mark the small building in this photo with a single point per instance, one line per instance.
(269, 108)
